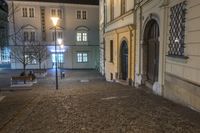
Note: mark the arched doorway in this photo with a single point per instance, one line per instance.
(151, 51)
(124, 60)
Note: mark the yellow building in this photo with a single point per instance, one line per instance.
(155, 43)
(119, 41)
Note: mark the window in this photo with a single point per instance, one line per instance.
(111, 50)
(32, 36)
(123, 6)
(78, 15)
(5, 55)
(58, 57)
(82, 57)
(24, 12)
(29, 36)
(111, 9)
(59, 35)
(53, 12)
(57, 13)
(84, 14)
(31, 12)
(28, 12)
(30, 59)
(81, 36)
(84, 36)
(81, 14)
(177, 30)
(25, 36)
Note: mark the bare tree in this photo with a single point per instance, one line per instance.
(40, 52)
(22, 51)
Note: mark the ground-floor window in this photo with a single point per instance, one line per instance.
(58, 58)
(5, 55)
(31, 59)
(82, 57)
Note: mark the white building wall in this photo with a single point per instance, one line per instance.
(68, 25)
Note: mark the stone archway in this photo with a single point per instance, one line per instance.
(151, 51)
(124, 60)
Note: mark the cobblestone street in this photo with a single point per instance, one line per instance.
(93, 106)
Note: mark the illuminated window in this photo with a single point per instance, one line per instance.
(58, 58)
(81, 36)
(30, 59)
(82, 57)
(5, 55)
(84, 34)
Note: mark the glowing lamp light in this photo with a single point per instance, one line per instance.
(62, 46)
(55, 20)
(60, 41)
(176, 40)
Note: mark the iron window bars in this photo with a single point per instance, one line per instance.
(177, 30)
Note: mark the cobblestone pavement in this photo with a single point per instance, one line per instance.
(92, 107)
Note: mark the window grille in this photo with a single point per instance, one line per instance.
(177, 30)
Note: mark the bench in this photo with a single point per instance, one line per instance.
(22, 81)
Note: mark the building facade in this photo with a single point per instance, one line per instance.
(77, 27)
(166, 53)
(4, 54)
(119, 40)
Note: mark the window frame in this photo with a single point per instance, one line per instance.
(82, 16)
(28, 12)
(80, 57)
(111, 51)
(177, 31)
(112, 10)
(56, 12)
(123, 6)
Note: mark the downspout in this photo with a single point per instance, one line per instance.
(104, 21)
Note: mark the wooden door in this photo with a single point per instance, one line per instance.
(153, 52)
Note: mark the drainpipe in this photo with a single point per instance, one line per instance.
(104, 24)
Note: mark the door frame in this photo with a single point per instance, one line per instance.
(152, 18)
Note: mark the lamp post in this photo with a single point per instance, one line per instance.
(60, 42)
(55, 22)
(60, 50)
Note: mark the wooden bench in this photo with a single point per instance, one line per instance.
(22, 81)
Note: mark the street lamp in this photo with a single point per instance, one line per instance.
(55, 22)
(60, 50)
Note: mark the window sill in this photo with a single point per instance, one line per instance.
(181, 59)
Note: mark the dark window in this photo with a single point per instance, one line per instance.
(177, 30)
(111, 50)
(123, 6)
(111, 9)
